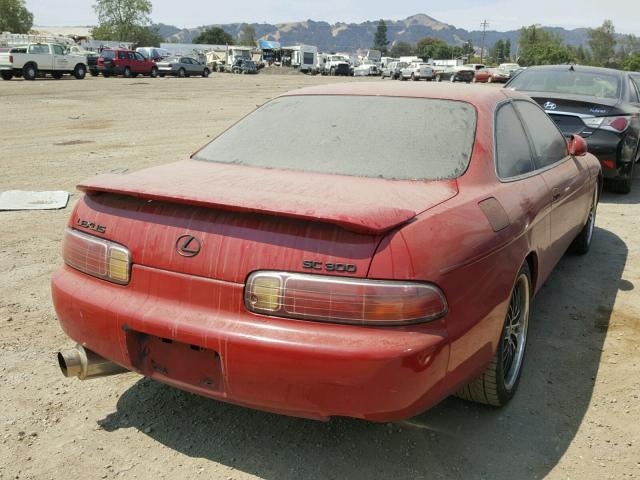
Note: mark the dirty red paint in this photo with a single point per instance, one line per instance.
(250, 219)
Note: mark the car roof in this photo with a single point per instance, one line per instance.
(480, 95)
(580, 68)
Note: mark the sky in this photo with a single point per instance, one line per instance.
(501, 14)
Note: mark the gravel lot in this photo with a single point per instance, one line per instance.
(576, 414)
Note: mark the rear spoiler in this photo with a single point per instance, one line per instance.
(222, 194)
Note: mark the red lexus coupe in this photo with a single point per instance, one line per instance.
(296, 264)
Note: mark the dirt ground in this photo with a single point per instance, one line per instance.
(576, 415)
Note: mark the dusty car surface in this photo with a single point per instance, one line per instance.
(321, 282)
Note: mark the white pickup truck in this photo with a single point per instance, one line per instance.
(41, 58)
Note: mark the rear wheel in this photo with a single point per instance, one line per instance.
(205, 73)
(30, 71)
(499, 382)
(106, 74)
(80, 72)
(154, 72)
(7, 75)
(582, 242)
(182, 73)
(94, 72)
(127, 72)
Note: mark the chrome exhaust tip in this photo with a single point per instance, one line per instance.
(84, 364)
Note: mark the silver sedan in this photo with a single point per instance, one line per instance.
(182, 67)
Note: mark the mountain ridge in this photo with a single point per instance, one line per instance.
(349, 36)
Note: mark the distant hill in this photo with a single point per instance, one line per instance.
(349, 37)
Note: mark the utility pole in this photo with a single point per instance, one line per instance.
(484, 26)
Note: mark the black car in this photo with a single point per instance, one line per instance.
(600, 104)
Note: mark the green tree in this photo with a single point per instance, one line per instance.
(401, 49)
(248, 36)
(122, 20)
(632, 62)
(507, 50)
(380, 41)
(497, 52)
(140, 36)
(602, 41)
(541, 47)
(468, 49)
(429, 47)
(214, 36)
(14, 16)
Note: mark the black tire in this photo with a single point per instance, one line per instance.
(620, 185)
(80, 72)
(94, 72)
(492, 388)
(56, 75)
(205, 73)
(106, 74)
(182, 73)
(127, 72)
(6, 75)
(582, 242)
(154, 72)
(30, 71)
(161, 75)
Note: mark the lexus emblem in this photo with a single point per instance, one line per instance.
(188, 246)
(550, 106)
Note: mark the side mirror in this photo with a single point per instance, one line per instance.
(577, 146)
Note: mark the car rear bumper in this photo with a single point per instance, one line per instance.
(606, 146)
(300, 368)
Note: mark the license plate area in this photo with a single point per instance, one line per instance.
(174, 361)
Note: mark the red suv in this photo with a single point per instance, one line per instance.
(125, 62)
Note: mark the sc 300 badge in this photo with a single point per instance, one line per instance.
(329, 267)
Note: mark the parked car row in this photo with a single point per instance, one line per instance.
(469, 73)
(40, 59)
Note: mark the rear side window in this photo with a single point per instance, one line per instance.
(513, 154)
(349, 135)
(108, 54)
(549, 144)
(122, 55)
(58, 50)
(39, 49)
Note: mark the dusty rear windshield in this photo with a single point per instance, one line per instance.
(350, 135)
(568, 81)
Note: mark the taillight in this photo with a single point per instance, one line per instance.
(343, 300)
(614, 124)
(96, 256)
(10, 58)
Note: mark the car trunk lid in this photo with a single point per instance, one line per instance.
(247, 218)
(569, 111)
